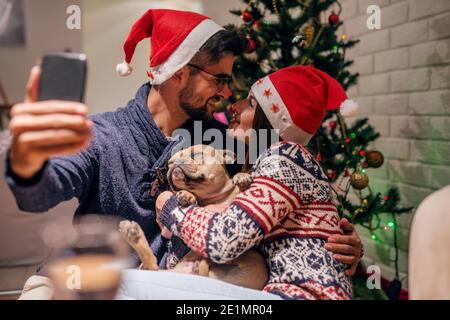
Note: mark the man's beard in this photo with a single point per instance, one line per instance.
(195, 113)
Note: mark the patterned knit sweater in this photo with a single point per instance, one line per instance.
(287, 212)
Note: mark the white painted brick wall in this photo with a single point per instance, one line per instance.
(404, 89)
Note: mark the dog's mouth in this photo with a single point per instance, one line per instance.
(181, 173)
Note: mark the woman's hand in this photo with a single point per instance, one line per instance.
(347, 248)
(160, 202)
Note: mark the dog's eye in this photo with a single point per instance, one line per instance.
(196, 156)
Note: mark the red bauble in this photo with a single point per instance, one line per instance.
(251, 45)
(333, 124)
(348, 140)
(247, 17)
(319, 157)
(256, 25)
(333, 19)
(331, 174)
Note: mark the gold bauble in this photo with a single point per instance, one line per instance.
(359, 180)
(374, 159)
(309, 34)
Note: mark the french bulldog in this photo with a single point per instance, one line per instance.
(198, 175)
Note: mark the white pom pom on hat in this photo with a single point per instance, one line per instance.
(349, 108)
(124, 69)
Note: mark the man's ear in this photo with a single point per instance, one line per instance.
(228, 156)
(181, 77)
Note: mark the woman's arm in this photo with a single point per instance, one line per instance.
(222, 237)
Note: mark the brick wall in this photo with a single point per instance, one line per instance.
(404, 90)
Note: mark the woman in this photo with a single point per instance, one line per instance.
(288, 211)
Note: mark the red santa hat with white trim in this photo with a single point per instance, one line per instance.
(176, 36)
(296, 99)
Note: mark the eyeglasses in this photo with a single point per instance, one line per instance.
(222, 80)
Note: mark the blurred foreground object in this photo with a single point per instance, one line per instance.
(429, 255)
(89, 259)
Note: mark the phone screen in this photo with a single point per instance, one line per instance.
(63, 77)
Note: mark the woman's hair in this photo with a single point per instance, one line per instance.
(260, 122)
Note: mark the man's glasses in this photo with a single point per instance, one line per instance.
(222, 80)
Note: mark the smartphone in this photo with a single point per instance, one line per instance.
(63, 76)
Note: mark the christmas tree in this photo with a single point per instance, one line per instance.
(282, 33)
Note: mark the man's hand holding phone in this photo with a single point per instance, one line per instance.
(45, 129)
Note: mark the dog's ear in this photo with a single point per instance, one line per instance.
(228, 156)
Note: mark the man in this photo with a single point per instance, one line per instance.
(110, 162)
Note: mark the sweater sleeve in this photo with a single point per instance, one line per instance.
(222, 237)
(61, 179)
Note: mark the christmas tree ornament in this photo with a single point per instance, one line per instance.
(359, 180)
(333, 19)
(309, 34)
(357, 212)
(331, 174)
(299, 40)
(251, 45)
(247, 17)
(374, 159)
(319, 157)
(256, 25)
(365, 202)
(344, 37)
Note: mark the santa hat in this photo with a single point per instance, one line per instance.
(176, 36)
(295, 100)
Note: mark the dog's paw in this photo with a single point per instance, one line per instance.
(242, 180)
(130, 231)
(185, 198)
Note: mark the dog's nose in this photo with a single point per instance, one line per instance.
(178, 174)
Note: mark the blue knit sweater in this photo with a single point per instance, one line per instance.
(113, 176)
